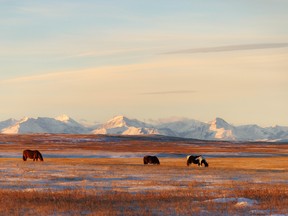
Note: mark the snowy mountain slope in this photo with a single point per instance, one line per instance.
(187, 128)
(251, 132)
(222, 130)
(14, 128)
(277, 131)
(122, 121)
(219, 129)
(45, 125)
(7, 123)
(125, 126)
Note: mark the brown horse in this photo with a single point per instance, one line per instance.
(35, 155)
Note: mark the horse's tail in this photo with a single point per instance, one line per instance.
(24, 156)
(40, 156)
(189, 159)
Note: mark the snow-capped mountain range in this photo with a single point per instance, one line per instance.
(60, 124)
(218, 129)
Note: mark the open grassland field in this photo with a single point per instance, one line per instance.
(105, 175)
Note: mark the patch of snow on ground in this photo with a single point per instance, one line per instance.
(240, 202)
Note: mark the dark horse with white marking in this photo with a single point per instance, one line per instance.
(198, 159)
(148, 159)
(35, 155)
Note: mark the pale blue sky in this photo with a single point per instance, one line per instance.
(145, 59)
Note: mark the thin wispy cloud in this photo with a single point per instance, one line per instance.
(114, 52)
(231, 48)
(169, 92)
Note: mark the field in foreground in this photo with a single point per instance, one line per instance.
(242, 179)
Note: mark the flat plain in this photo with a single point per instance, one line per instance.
(105, 175)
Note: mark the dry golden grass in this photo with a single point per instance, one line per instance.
(193, 200)
(273, 163)
(182, 197)
(124, 186)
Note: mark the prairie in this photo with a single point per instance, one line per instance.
(105, 175)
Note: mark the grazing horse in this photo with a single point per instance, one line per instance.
(35, 155)
(199, 159)
(148, 159)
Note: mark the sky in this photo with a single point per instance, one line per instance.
(149, 59)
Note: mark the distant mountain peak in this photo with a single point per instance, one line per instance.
(119, 118)
(117, 121)
(24, 119)
(63, 118)
(219, 120)
(123, 125)
(220, 123)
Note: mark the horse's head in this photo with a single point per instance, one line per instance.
(40, 156)
(156, 160)
(204, 162)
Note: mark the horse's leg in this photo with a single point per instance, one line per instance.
(200, 161)
(35, 156)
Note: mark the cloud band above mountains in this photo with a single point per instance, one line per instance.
(230, 48)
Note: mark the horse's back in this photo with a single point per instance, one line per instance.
(26, 151)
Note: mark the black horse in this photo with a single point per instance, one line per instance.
(35, 155)
(148, 159)
(198, 159)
